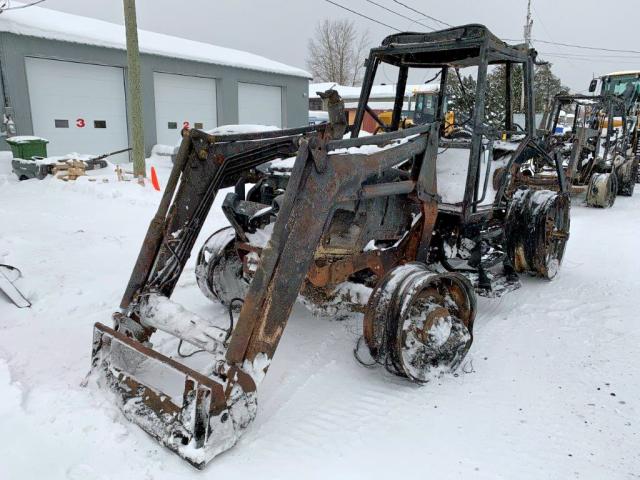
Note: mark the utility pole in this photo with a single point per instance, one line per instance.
(527, 42)
(134, 89)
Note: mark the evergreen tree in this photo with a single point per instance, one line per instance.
(462, 96)
(547, 86)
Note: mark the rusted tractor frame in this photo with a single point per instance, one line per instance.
(420, 291)
(474, 218)
(216, 408)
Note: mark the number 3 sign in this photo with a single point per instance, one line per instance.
(80, 123)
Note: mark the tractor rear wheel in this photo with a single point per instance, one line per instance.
(537, 230)
(419, 324)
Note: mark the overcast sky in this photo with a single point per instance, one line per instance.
(279, 29)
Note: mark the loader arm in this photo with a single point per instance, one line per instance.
(213, 409)
(204, 165)
(320, 181)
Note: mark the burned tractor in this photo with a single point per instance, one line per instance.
(598, 156)
(403, 226)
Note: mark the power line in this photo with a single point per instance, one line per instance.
(585, 59)
(544, 26)
(547, 42)
(360, 14)
(584, 47)
(399, 14)
(588, 55)
(5, 9)
(422, 13)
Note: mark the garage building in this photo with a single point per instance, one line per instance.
(63, 77)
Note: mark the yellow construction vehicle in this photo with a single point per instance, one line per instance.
(424, 110)
(623, 83)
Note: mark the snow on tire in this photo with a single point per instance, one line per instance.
(219, 271)
(420, 324)
(537, 230)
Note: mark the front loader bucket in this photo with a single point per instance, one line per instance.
(189, 413)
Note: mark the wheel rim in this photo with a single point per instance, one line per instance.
(218, 265)
(431, 337)
(420, 324)
(537, 231)
(383, 304)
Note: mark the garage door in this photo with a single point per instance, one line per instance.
(181, 101)
(259, 104)
(78, 107)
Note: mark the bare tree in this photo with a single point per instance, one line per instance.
(336, 52)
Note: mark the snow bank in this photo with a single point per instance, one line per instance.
(163, 150)
(55, 25)
(241, 128)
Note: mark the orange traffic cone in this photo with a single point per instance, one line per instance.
(154, 179)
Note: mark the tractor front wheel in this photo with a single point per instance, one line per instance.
(219, 269)
(420, 324)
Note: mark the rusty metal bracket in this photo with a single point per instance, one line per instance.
(319, 154)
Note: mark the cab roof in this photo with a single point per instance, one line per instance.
(622, 73)
(454, 47)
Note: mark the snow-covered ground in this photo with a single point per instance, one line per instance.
(551, 388)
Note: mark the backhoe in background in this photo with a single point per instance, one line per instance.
(599, 156)
(626, 86)
(405, 226)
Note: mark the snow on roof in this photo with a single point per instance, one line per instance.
(377, 91)
(623, 72)
(25, 139)
(319, 114)
(377, 106)
(428, 88)
(51, 24)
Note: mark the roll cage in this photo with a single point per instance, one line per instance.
(454, 48)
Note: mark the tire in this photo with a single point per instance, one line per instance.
(602, 190)
(537, 231)
(219, 269)
(627, 174)
(419, 324)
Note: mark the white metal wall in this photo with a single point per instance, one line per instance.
(78, 107)
(180, 101)
(259, 104)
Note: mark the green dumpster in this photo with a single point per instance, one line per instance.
(27, 147)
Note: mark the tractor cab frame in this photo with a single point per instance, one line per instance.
(450, 50)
